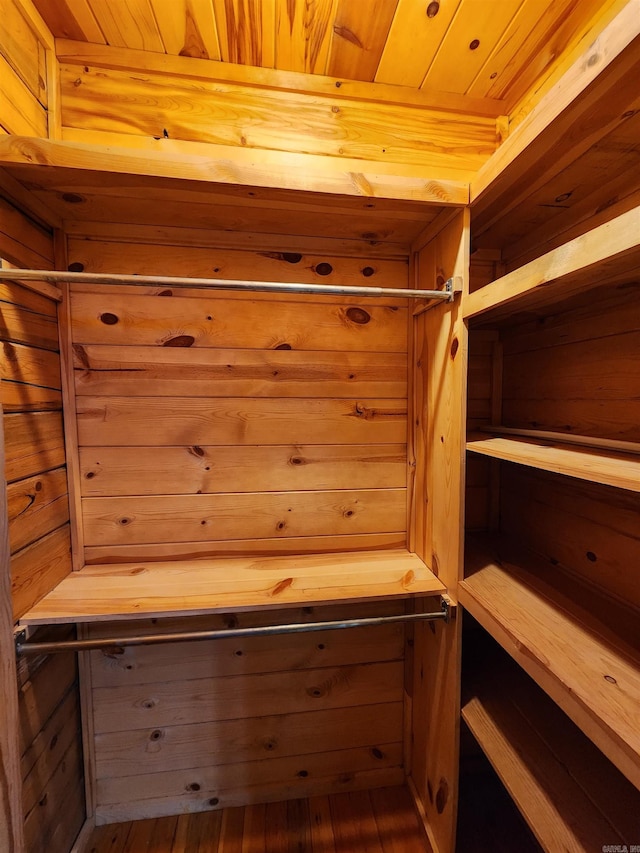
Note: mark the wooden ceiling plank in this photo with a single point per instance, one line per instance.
(246, 30)
(569, 95)
(188, 28)
(468, 43)
(71, 19)
(303, 34)
(358, 40)
(232, 165)
(524, 39)
(80, 53)
(128, 23)
(569, 36)
(414, 34)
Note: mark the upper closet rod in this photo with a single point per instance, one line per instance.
(58, 276)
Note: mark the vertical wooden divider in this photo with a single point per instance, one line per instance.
(11, 826)
(440, 363)
(69, 409)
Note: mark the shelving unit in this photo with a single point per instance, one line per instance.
(569, 793)
(553, 454)
(541, 628)
(596, 464)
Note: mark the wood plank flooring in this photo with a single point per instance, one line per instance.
(377, 821)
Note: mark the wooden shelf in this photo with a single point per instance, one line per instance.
(197, 587)
(595, 464)
(575, 657)
(567, 791)
(609, 253)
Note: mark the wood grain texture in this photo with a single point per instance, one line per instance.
(569, 793)
(212, 585)
(175, 371)
(36, 506)
(107, 421)
(36, 569)
(314, 823)
(540, 627)
(162, 551)
(34, 443)
(112, 471)
(219, 322)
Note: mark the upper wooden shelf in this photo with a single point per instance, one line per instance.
(595, 464)
(609, 253)
(197, 587)
(571, 796)
(589, 671)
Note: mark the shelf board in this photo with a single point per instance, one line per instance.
(591, 673)
(197, 587)
(607, 254)
(595, 464)
(571, 796)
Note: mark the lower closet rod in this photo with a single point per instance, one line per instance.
(23, 647)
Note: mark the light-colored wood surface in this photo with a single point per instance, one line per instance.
(609, 252)
(541, 628)
(439, 368)
(571, 796)
(381, 819)
(598, 466)
(209, 586)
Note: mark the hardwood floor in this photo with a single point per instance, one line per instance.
(377, 821)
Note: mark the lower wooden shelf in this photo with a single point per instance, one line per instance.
(571, 796)
(588, 670)
(196, 587)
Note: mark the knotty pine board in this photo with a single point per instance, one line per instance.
(206, 470)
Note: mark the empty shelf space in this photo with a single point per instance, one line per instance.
(196, 587)
(571, 796)
(594, 463)
(609, 252)
(590, 672)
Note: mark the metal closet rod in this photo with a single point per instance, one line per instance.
(59, 276)
(24, 647)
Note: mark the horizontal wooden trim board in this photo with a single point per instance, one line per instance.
(227, 164)
(197, 372)
(599, 688)
(187, 518)
(113, 471)
(610, 467)
(219, 322)
(162, 421)
(98, 593)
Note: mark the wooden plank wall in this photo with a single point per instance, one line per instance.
(38, 524)
(193, 727)
(577, 372)
(218, 424)
(26, 61)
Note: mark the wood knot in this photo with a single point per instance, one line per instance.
(156, 734)
(283, 346)
(455, 345)
(165, 293)
(282, 586)
(433, 9)
(323, 269)
(358, 316)
(180, 341)
(73, 198)
(193, 786)
(194, 450)
(475, 44)
(367, 272)
(303, 774)
(109, 319)
(377, 753)
(315, 692)
(296, 460)
(442, 795)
